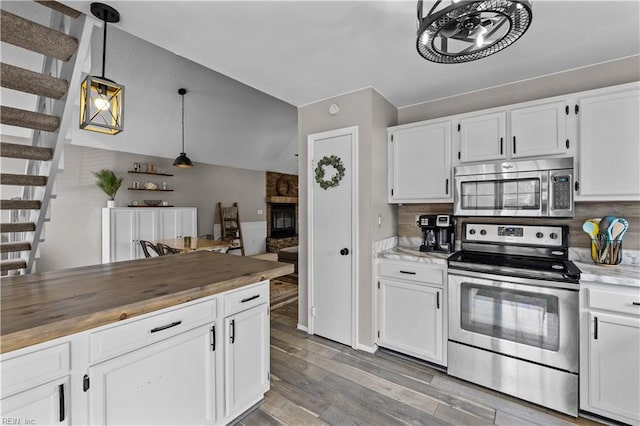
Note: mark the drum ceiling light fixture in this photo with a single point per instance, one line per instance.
(101, 99)
(464, 31)
(182, 161)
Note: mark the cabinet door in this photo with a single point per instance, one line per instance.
(609, 150)
(44, 405)
(420, 163)
(483, 137)
(246, 358)
(177, 222)
(614, 351)
(410, 319)
(123, 235)
(170, 382)
(539, 130)
(146, 228)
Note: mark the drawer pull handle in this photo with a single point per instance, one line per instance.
(635, 303)
(164, 327)
(407, 272)
(248, 299)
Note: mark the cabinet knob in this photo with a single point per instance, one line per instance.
(344, 251)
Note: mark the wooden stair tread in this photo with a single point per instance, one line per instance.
(35, 37)
(22, 180)
(59, 7)
(10, 265)
(27, 152)
(28, 81)
(28, 119)
(15, 246)
(20, 204)
(17, 227)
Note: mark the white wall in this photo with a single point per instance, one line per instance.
(360, 108)
(73, 237)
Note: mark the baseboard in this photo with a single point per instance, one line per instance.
(303, 328)
(365, 348)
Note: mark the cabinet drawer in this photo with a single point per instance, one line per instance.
(246, 298)
(135, 334)
(413, 272)
(25, 371)
(615, 301)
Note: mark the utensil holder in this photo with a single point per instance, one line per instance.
(607, 253)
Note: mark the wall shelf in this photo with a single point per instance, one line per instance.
(152, 190)
(147, 173)
(144, 205)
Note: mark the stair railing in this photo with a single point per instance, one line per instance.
(71, 71)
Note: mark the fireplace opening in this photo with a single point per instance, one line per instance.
(283, 220)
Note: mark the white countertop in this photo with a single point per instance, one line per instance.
(413, 254)
(628, 275)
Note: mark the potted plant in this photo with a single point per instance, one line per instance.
(109, 183)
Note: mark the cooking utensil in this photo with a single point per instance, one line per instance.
(592, 228)
(619, 229)
(605, 236)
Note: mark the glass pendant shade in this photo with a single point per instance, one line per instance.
(101, 105)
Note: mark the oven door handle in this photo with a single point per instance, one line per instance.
(514, 280)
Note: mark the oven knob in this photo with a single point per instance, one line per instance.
(472, 231)
(539, 234)
(483, 232)
(553, 235)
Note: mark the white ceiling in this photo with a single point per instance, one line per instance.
(304, 51)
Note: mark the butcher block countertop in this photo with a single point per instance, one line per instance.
(44, 306)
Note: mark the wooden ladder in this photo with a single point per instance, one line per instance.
(230, 229)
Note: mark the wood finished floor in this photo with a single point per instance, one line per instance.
(315, 381)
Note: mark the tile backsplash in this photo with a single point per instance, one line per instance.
(630, 210)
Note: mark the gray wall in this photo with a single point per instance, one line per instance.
(372, 114)
(73, 237)
(226, 122)
(586, 78)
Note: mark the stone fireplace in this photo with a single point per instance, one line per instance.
(282, 211)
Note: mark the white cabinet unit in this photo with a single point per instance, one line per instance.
(170, 382)
(35, 386)
(411, 309)
(483, 137)
(246, 347)
(610, 350)
(609, 151)
(123, 227)
(539, 130)
(420, 162)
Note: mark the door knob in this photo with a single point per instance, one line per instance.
(344, 251)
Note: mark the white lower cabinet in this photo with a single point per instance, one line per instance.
(246, 349)
(610, 351)
(411, 309)
(170, 382)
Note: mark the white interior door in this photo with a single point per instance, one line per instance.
(332, 250)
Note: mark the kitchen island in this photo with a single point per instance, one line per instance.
(177, 339)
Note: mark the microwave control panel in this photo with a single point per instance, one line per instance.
(561, 192)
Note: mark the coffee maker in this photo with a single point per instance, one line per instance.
(438, 233)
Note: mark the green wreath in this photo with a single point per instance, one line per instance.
(334, 161)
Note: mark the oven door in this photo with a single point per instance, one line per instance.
(532, 320)
(502, 194)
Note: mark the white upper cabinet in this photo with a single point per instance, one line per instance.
(609, 145)
(539, 130)
(420, 163)
(483, 137)
(176, 223)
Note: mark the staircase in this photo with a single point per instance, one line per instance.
(64, 45)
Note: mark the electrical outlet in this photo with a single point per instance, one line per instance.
(259, 211)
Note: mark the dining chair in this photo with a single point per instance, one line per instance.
(146, 245)
(164, 249)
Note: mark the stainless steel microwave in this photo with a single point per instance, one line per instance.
(532, 188)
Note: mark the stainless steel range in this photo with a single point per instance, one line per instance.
(513, 313)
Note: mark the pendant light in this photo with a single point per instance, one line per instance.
(101, 99)
(182, 161)
(464, 31)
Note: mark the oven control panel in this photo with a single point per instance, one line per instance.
(549, 236)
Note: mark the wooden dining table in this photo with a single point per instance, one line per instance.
(197, 244)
